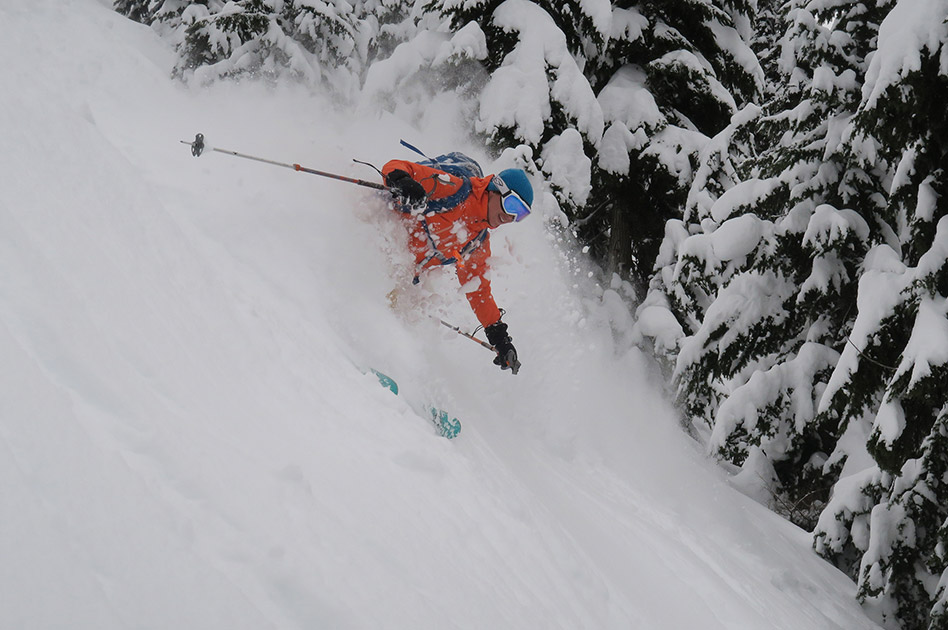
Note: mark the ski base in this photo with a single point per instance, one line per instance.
(446, 425)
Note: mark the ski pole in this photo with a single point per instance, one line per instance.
(464, 334)
(198, 147)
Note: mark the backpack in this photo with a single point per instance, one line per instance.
(454, 163)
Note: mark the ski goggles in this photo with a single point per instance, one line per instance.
(510, 201)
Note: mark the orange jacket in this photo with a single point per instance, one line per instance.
(458, 235)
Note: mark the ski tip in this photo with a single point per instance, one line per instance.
(386, 381)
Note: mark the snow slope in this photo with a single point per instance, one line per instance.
(185, 438)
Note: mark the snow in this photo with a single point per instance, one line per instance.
(742, 195)
(628, 24)
(687, 63)
(729, 39)
(911, 28)
(186, 440)
(656, 321)
(745, 403)
(737, 237)
(518, 94)
(626, 99)
(600, 12)
(927, 201)
(928, 344)
(828, 225)
(880, 287)
(750, 297)
(568, 166)
(629, 108)
(429, 47)
(850, 502)
(889, 422)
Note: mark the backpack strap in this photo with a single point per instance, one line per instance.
(414, 148)
(446, 203)
(474, 243)
(436, 254)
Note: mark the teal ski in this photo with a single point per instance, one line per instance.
(386, 381)
(447, 426)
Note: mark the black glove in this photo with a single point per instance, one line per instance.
(407, 190)
(506, 354)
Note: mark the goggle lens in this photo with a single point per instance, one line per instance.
(511, 202)
(515, 206)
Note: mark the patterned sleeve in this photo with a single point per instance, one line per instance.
(472, 275)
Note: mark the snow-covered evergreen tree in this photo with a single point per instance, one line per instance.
(762, 272)
(769, 26)
(671, 76)
(614, 102)
(267, 37)
(896, 374)
(322, 42)
(139, 10)
(537, 95)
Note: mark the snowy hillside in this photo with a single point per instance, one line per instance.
(186, 438)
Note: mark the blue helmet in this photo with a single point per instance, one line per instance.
(516, 194)
(516, 179)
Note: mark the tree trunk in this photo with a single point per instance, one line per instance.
(619, 257)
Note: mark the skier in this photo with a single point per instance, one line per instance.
(449, 217)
